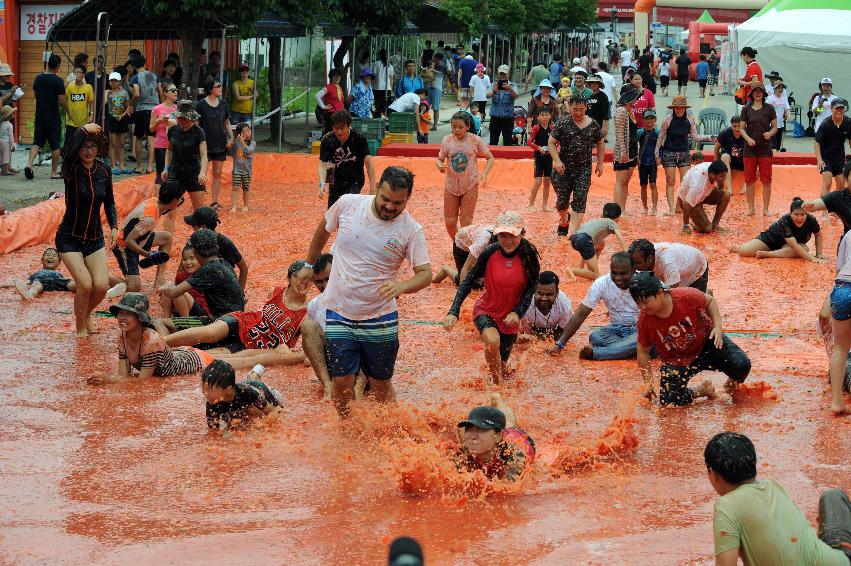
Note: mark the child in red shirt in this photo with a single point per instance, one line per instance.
(684, 325)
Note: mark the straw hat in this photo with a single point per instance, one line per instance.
(6, 111)
(679, 102)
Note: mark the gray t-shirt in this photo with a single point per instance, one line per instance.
(599, 229)
(148, 94)
(243, 156)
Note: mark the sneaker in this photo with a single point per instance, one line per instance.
(116, 171)
(562, 230)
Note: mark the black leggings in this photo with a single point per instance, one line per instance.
(159, 160)
(506, 341)
(729, 359)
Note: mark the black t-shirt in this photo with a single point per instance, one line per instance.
(785, 228)
(228, 250)
(347, 158)
(217, 281)
(247, 394)
(757, 123)
(832, 139)
(683, 63)
(598, 108)
(212, 121)
(839, 203)
(185, 152)
(678, 136)
(48, 87)
(665, 56)
(730, 144)
(644, 62)
(99, 85)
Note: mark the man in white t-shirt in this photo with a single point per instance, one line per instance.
(821, 103)
(408, 102)
(626, 61)
(618, 340)
(375, 235)
(704, 185)
(549, 312)
(676, 265)
(608, 85)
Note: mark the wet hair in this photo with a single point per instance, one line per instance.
(54, 250)
(464, 117)
(53, 62)
(621, 257)
(170, 190)
(577, 99)
(732, 456)
(716, 167)
(295, 267)
(548, 278)
(341, 118)
(323, 261)
(735, 119)
(530, 256)
(219, 374)
(644, 285)
(797, 202)
(643, 246)
(612, 210)
(749, 51)
(205, 243)
(139, 61)
(398, 178)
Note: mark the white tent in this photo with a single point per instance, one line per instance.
(803, 40)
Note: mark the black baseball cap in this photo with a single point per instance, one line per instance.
(405, 551)
(485, 417)
(203, 216)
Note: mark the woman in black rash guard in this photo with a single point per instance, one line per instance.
(80, 238)
(786, 237)
(510, 269)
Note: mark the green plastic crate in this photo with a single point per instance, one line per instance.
(403, 122)
(373, 146)
(371, 128)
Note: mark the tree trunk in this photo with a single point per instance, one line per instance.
(193, 40)
(274, 78)
(340, 54)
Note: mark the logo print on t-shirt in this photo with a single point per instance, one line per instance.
(78, 97)
(679, 335)
(459, 162)
(395, 246)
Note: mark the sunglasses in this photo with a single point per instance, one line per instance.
(89, 147)
(174, 90)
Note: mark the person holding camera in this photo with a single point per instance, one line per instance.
(502, 95)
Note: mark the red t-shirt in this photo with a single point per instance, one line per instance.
(199, 297)
(680, 337)
(272, 326)
(505, 282)
(753, 70)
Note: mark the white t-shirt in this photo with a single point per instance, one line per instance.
(382, 83)
(368, 252)
(626, 57)
(695, 186)
(480, 86)
(780, 103)
(316, 311)
(474, 238)
(664, 69)
(608, 84)
(821, 116)
(678, 264)
(843, 260)
(560, 313)
(408, 102)
(622, 309)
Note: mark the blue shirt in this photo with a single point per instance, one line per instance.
(362, 99)
(702, 70)
(468, 69)
(647, 145)
(555, 73)
(407, 84)
(502, 103)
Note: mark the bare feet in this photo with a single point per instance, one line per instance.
(587, 352)
(839, 409)
(532, 208)
(91, 325)
(645, 211)
(730, 387)
(765, 212)
(706, 389)
(654, 212)
(244, 209)
(233, 209)
(760, 254)
(23, 289)
(735, 249)
(82, 334)
(117, 291)
(546, 208)
(327, 395)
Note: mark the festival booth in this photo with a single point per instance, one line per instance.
(803, 40)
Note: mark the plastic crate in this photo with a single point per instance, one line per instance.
(373, 146)
(370, 128)
(401, 138)
(402, 122)
(314, 147)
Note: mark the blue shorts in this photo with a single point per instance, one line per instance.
(584, 244)
(434, 98)
(840, 300)
(50, 280)
(369, 345)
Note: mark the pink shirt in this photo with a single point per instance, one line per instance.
(645, 101)
(462, 171)
(161, 131)
(368, 252)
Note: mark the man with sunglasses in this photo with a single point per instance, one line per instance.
(137, 236)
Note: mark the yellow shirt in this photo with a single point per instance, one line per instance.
(765, 525)
(79, 97)
(245, 88)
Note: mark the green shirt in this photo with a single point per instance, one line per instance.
(761, 520)
(586, 92)
(539, 73)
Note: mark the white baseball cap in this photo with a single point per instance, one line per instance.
(576, 60)
(825, 81)
(114, 76)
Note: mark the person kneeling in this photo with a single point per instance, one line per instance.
(684, 325)
(230, 404)
(704, 185)
(757, 521)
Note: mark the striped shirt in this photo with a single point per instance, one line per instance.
(153, 352)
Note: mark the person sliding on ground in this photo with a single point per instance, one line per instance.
(684, 325)
(617, 341)
(47, 278)
(786, 237)
(590, 240)
(375, 234)
(510, 269)
(549, 313)
(756, 521)
(231, 404)
(492, 442)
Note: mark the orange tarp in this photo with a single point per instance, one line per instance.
(37, 224)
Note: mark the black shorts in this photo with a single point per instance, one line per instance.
(336, 191)
(232, 341)
(116, 126)
(729, 359)
(624, 166)
(571, 187)
(737, 163)
(543, 165)
(128, 261)
(773, 241)
(66, 244)
(50, 280)
(682, 81)
(833, 166)
(647, 174)
(189, 182)
(701, 83)
(664, 81)
(141, 124)
(506, 341)
(47, 134)
(216, 156)
(196, 310)
(702, 282)
(584, 244)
